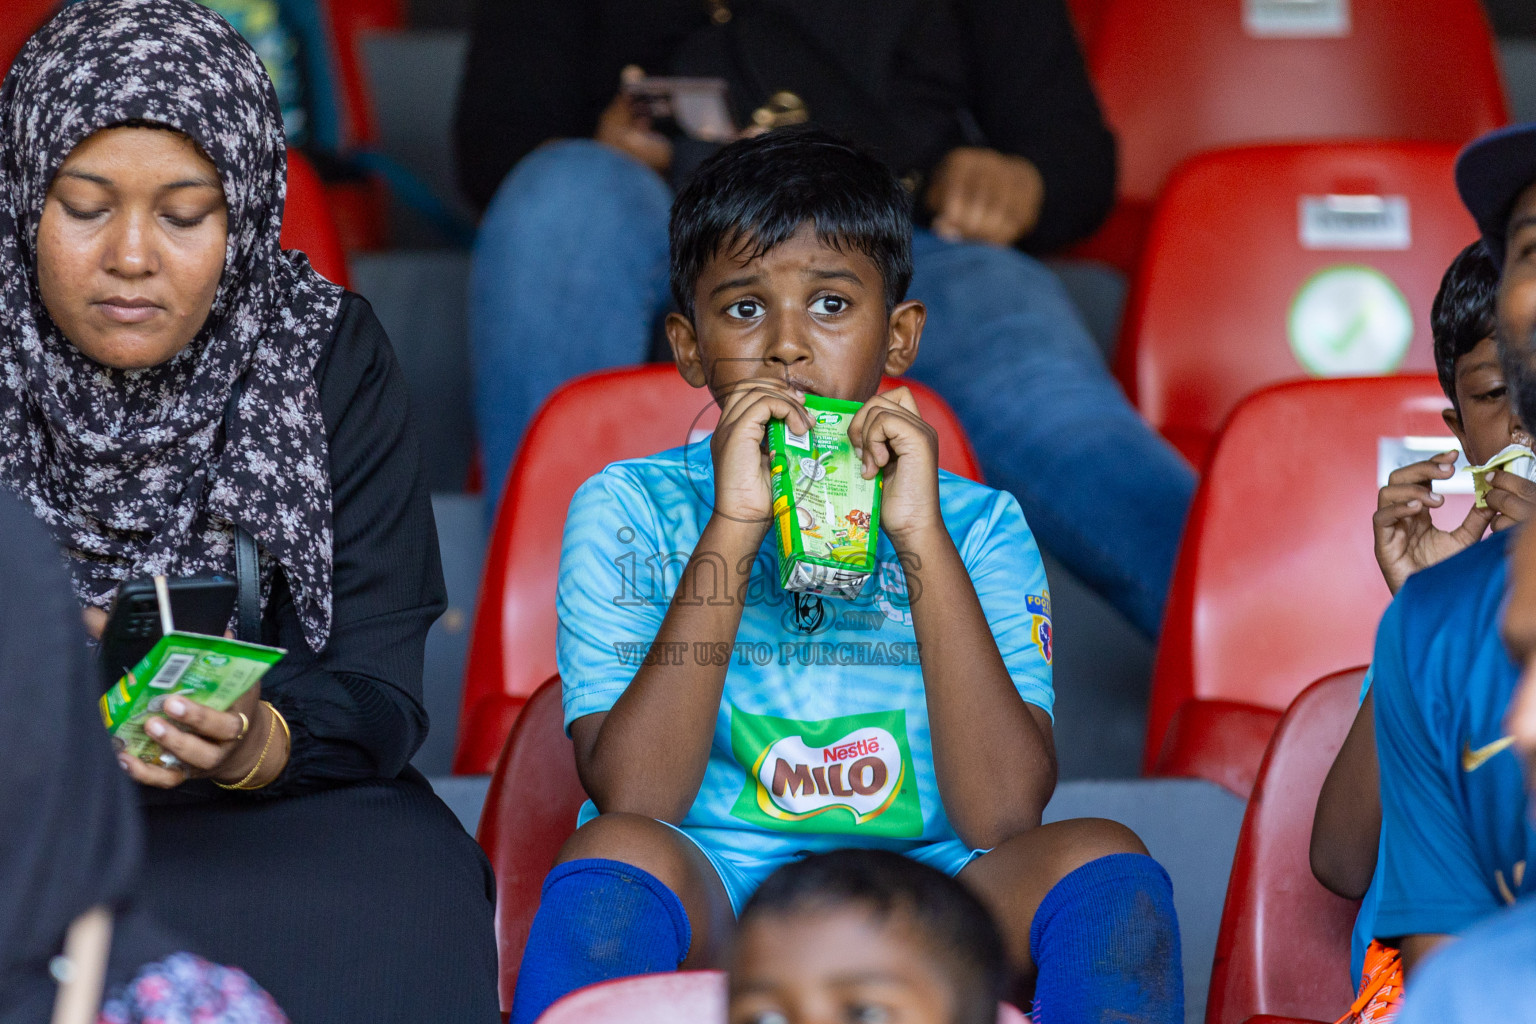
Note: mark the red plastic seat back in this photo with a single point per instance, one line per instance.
(698, 997)
(1283, 945)
(348, 21)
(1221, 741)
(307, 222)
(1276, 581)
(22, 18)
(530, 811)
(1177, 77)
(1085, 17)
(589, 423)
(1229, 297)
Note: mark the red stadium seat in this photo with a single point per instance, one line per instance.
(1226, 272)
(22, 18)
(1085, 16)
(307, 222)
(349, 20)
(592, 421)
(1283, 945)
(530, 811)
(1177, 77)
(1221, 741)
(1276, 582)
(694, 996)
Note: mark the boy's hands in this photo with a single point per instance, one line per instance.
(1407, 539)
(743, 492)
(1512, 497)
(890, 434)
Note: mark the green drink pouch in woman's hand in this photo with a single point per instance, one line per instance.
(828, 515)
(207, 670)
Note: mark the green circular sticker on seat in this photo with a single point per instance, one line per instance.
(1349, 320)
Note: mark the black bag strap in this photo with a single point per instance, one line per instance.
(247, 558)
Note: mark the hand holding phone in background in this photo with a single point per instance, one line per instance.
(625, 125)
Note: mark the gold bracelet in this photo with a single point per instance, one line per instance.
(243, 784)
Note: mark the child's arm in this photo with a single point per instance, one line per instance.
(992, 751)
(647, 754)
(1347, 826)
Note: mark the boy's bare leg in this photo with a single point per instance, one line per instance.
(675, 862)
(1015, 877)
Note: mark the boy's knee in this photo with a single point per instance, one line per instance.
(1081, 841)
(1101, 837)
(635, 840)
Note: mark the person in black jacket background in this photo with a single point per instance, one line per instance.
(983, 107)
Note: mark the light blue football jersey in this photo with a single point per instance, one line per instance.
(822, 737)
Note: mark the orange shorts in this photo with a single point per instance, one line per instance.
(1381, 988)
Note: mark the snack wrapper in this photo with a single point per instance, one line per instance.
(1514, 458)
(209, 670)
(827, 516)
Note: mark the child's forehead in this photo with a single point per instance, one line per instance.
(1481, 356)
(805, 247)
(893, 930)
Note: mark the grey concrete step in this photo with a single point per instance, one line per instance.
(420, 298)
(461, 539)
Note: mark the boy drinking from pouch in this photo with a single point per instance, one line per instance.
(724, 727)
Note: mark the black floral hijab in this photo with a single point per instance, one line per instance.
(131, 470)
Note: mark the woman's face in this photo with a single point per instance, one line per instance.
(131, 245)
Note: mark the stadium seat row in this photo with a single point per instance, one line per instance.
(1181, 77)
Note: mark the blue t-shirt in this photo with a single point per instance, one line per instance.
(822, 736)
(1489, 974)
(1455, 836)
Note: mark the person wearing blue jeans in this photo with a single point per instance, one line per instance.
(570, 276)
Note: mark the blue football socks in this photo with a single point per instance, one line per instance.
(1105, 942)
(597, 919)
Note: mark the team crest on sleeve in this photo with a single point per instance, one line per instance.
(1039, 608)
(850, 775)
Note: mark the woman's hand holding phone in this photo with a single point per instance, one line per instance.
(626, 128)
(209, 743)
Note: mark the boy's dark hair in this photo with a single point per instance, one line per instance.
(942, 913)
(1463, 313)
(754, 194)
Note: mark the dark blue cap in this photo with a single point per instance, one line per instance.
(1490, 175)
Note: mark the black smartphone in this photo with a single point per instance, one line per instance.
(693, 107)
(199, 604)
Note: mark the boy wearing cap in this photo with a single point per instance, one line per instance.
(1347, 826)
(1488, 974)
(1455, 839)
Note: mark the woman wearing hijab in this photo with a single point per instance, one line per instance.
(172, 383)
(69, 860)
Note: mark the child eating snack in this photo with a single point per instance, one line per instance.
(758, 726)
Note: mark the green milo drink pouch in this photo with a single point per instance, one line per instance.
(826, 515)
(208, 670)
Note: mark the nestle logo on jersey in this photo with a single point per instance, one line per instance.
(847, 750)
